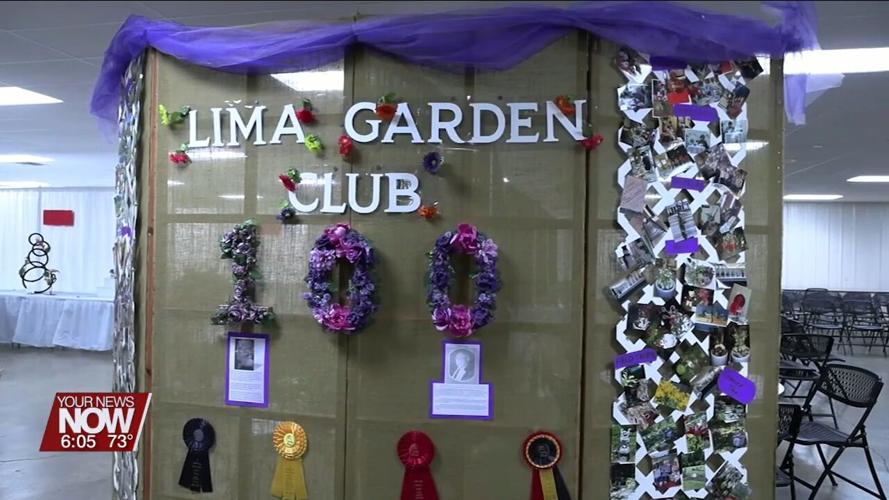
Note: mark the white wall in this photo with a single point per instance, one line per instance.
(839, 246)
(82, 253)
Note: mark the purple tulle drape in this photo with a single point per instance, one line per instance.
(493, 39)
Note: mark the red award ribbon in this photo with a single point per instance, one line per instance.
(542, 451)
(416, 451)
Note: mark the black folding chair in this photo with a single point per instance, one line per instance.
(824, 316)
(854, 387)
(803, 359)
(789, 418)
(791, 325)
(862, 321)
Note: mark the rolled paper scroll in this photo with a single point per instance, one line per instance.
(199, 437)
(416, 451)
(542, 451)
(291, 442)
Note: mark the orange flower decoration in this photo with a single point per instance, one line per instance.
(428, 212)
(565, 104)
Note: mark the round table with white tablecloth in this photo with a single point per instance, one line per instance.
(58, 320)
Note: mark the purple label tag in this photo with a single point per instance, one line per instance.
(700, 113)
(688, 183)
(685, 246)
(635, 358)
(737, 386)
(661, 63)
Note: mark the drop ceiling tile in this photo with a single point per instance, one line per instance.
(41, 72)
(16, 49)
(29, 15)
(77, 41)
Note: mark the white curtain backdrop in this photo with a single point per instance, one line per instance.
(839, 246)
(82, 253)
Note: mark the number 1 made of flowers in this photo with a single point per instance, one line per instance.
(240, 245)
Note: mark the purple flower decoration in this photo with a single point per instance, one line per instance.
(432, 162)
(341, 242)
(288, 214)
(460, 320)
(240, 245)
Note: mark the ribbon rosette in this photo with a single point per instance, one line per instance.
(542, 451)
(416, 451)
(199, 437)
(291, 443)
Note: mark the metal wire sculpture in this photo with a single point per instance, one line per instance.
(34, 269)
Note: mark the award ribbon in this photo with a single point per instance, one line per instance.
(542, 451)
(199, 437)
(290, 442)
(416, 451)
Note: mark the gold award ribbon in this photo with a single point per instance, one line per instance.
(291, 442)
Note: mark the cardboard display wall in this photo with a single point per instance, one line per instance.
(548, 354)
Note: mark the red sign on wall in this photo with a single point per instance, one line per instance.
(58, 217)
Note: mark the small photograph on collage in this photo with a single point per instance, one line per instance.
(661, 106)
(642, 414)
(636, 134)
(702, 71)
(729, 483)
(749, 68)
(633, 255)
(667, 473)
(732, 177)
(696, 300)
(723, 68)
(623, 481)
(692, 360)
(731, 273)
(738, 304)
(659, 437)
(711, 161)
(733, 131)
(733, 102)
(677, 87)
(635, 385)
(642, 164)
(681, 221)
(694, 470)
(713, 314)
(721, 218)
(633, 97)
(740, 339)
(697, 141)
(626, 285)
(728, 425)
(672, 129)
(663, 277)
(649, 227)
(630, 62)
(731, 244)
(673, 162)
(623, 443)
(706, 92)
(641, 316)
(698, 273)
(697, 432)
(705, 381)
(672, 395)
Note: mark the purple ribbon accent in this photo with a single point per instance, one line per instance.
(688, 183)
(635, 358)
(664, 63)
(126, 231)
(695, 112)
(685, 246)
(737, 386)
(484, 39)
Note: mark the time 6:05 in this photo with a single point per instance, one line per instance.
(79, 441)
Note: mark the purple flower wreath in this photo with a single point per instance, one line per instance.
(341, 242)
(240, 245)
(460, 320)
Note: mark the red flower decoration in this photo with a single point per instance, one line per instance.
(565, 104)
(428, 212)
(180, 158)
(346, 145)
(592, 142)
(287, 182)
(386, 110)
(306, 115)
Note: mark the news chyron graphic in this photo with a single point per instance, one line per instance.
(95, 421)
